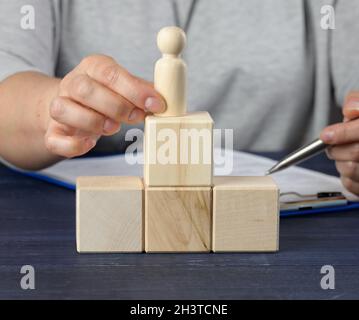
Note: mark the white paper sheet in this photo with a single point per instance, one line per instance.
(292, 179)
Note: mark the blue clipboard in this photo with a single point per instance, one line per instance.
(348, 207)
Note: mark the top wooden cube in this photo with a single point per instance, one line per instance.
(178, 151)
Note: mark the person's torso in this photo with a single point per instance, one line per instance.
(250, 62)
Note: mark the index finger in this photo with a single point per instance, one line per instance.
(341, 133)
(351, 106)
(139, 92)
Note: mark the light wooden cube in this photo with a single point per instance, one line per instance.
(245, 214)
(178, 219)
(178, 151)
(109, 214)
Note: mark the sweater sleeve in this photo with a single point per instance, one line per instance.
(28, 34)
(345, 49)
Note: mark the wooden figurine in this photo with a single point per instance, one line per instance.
(170, 76)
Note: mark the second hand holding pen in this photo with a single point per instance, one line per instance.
(303, 153)
(307, 151)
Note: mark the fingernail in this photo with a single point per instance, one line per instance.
(353, 105)
(154, 105)
(133, 115)
(57, 107)
(90, 143)
(328, 152)
(109, 126)
(328, 136)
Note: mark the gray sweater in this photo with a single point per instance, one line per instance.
(265, 68)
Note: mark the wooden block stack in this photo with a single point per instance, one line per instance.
(172, 209)
(178, 160)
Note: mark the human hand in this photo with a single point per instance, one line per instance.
(93, 100)
(344, 138)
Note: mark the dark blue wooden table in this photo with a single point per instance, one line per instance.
(37, 227)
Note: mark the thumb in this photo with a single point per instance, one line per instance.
(341, 133)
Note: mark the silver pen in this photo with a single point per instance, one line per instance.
(299, 155)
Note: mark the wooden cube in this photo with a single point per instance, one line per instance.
(178, 219)
(245, 214)
(109, 214)
(178, 151)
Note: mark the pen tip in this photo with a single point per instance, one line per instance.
(272, 170)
